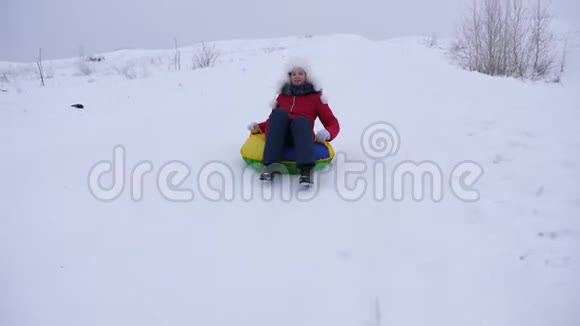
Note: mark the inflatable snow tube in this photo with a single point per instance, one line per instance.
(253, 149)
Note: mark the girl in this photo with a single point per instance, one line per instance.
(291, 122)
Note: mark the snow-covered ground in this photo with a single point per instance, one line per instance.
(501, 249)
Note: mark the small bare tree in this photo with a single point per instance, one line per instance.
(84, 68)
(177, 57)
(516, 39)
(543, 56)
(430, 41)
(83, 64)
(558, 77)
(206, 57)
(4, 80)
(40, 68)
(498, 37)
(466, 50)
(126, 70)
(493, 26)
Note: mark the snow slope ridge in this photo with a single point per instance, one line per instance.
(180, 233)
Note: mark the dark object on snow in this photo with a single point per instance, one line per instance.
(78, 106)
(96, 59)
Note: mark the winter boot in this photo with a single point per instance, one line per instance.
(268, 172)
(266, 176)
(306, 176)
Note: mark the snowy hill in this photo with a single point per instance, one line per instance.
(500, 247)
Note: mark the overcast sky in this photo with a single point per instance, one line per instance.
(61, 27)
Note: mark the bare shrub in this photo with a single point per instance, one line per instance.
(84, 68)
(562, 65)
(40, 68)
(206, 57)
(177, 57)
(541, 42)
(430, 41)
(4, 80)
(86, 64)
(95, 58)
(271, 49)
(126, 70)
(504, 38)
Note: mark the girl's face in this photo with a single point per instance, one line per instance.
(297, 76)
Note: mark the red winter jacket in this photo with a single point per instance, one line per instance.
(310, 106)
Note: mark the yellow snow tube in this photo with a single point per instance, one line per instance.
(253, 149)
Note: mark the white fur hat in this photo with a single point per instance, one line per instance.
(311, 77)
(304, 64)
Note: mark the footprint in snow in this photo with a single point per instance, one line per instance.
(540, 191)
(499, 159)
(559, 234)
(558, 262)
(528, 134)
(517, 145)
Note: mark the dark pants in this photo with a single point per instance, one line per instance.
(283, 132)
